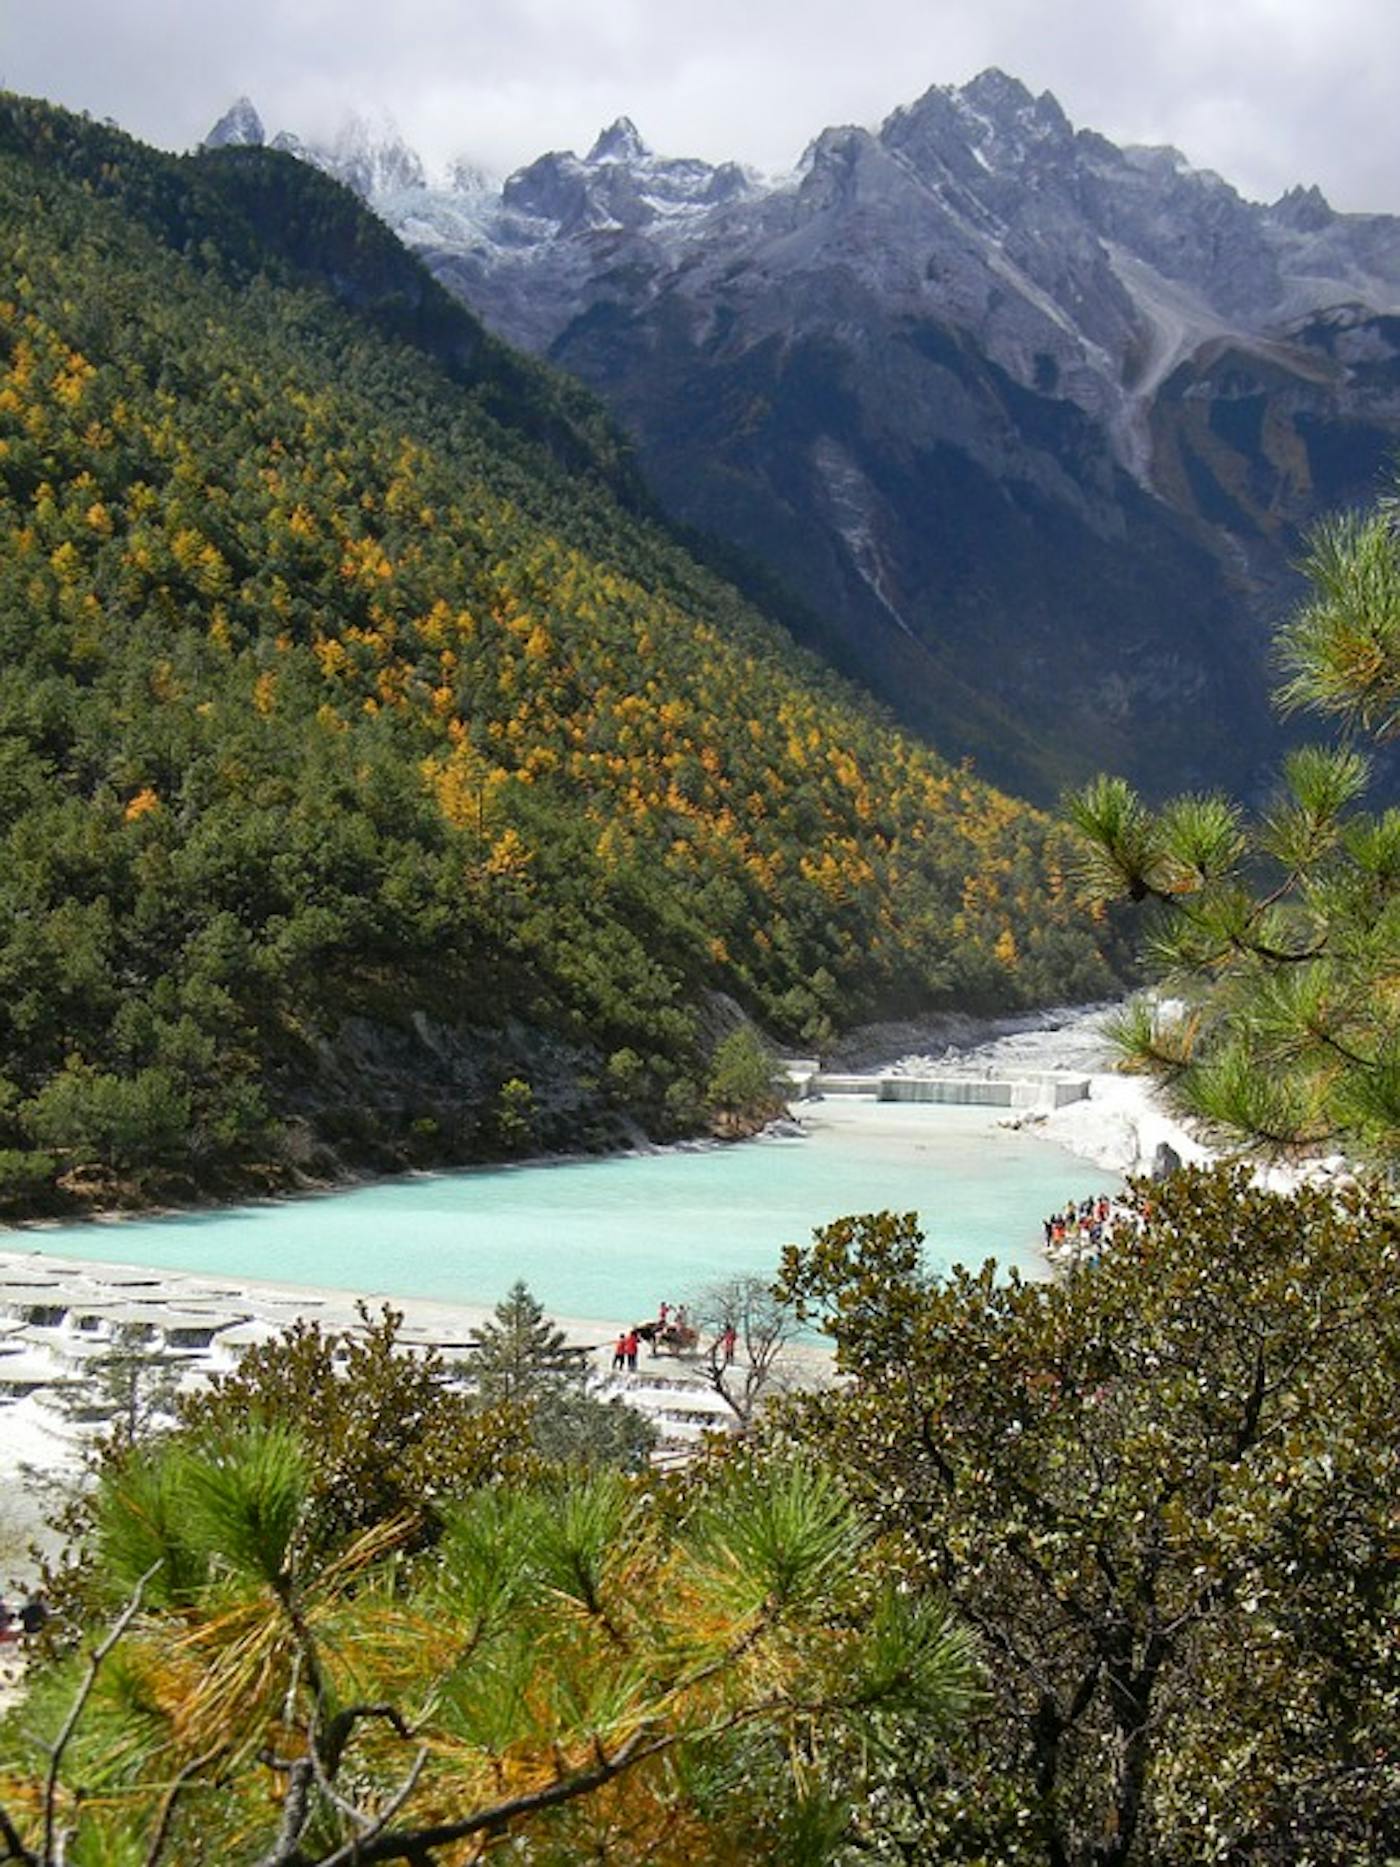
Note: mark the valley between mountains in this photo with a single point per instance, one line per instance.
(384, 783)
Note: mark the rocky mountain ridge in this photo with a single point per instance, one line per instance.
(1062, 253)
(1029, 422)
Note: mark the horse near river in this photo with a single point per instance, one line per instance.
(669, 1338)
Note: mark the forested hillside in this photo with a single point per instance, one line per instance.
(376, 785)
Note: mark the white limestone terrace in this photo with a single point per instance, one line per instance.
(1039, 1067)
(1119, 1121)
(58, 1315)
(1039, 1090)
(1070, 1092)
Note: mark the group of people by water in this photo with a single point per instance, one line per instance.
(1081, 1230)
(673, 1330)
(625, 1350)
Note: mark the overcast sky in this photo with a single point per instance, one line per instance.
(1269, 92)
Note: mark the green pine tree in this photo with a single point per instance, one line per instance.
(744, 1077)
(522, 1357)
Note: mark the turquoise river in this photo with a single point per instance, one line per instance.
(609, 1238)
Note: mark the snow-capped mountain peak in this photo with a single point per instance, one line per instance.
(977, 381)
(240, 127)
(369, 156)
(373, 158)
(1070, 259)
(620, 142)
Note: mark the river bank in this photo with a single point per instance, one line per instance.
(599, 1242)
(656, 1225)
(1119, 1126)
(1122, 1125)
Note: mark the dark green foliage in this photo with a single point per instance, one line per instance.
(390, 1431)
(521, 1356)
(515, 1120)
(26, 1179)
(1281, 936)
(582, 1433)
(121, 1121)
(523, 1360)
(370, 775)
(1162, 1491)
(743, 1077)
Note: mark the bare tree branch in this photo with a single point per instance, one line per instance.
(404, 1845)
(353, 1850)
(743, 1312)
(326, 1754)
(285, 1850)
(169, 1801)
(75, 1711)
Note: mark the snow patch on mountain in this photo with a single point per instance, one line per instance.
(853, 505)
(240, 127)
(1086, 271)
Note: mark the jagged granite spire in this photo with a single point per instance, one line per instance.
(620, 142)
(1307, 210)
(240, 127)
(369, 156)
(997, 92)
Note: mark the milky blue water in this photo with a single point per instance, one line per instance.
(609, 1238)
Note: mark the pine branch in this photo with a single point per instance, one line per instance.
(296, 1808)
(415, 1843)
